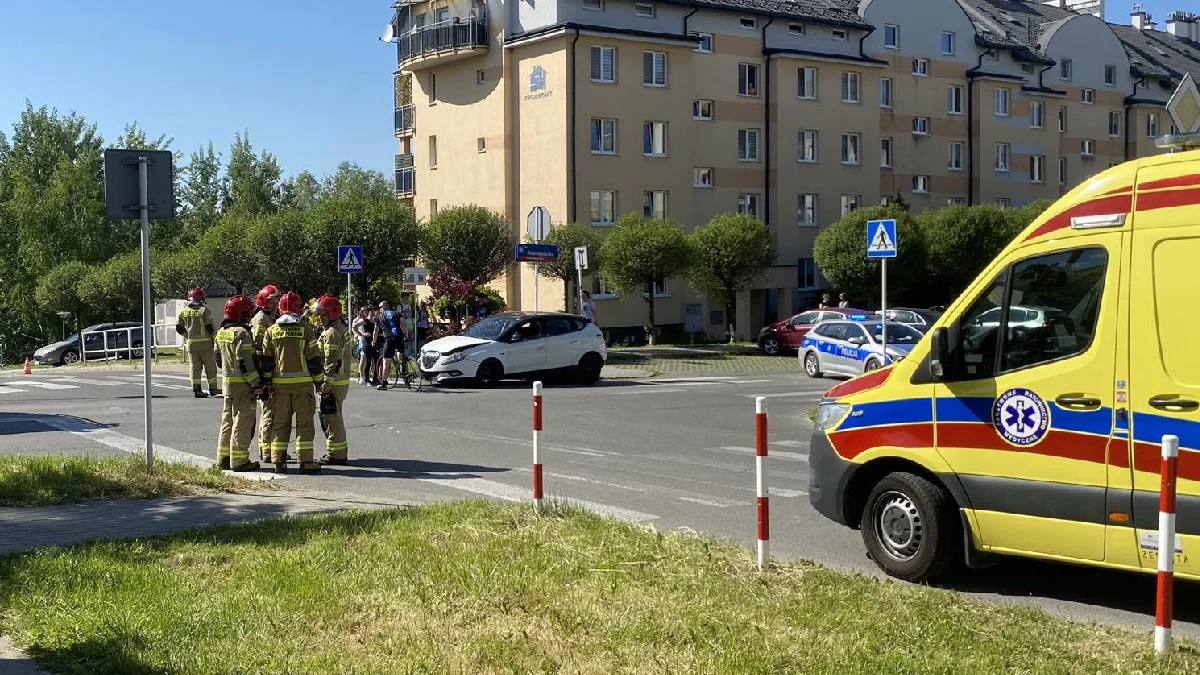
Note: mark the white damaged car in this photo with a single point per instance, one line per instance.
(517, 344)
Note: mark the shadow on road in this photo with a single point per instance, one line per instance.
(410, 469)
(12, 424)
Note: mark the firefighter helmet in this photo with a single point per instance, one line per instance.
(330, 306)
(264, 294)
(237, 307)
(291, 303)
(196, 295)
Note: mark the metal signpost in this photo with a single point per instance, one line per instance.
(537, 226)
(881, 243)
(1184, 109)
(142, 181)
(581, 264)
(349, 261)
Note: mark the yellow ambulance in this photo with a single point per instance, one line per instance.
(1042, 439)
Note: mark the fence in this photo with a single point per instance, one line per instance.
(127, 343)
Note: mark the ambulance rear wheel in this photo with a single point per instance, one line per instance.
(910, 528)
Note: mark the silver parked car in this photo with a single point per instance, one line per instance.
(854, 347)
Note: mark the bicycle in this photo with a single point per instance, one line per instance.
(406, 369)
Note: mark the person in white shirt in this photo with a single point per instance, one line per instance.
(589, 307)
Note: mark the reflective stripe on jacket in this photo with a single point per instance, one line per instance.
(292, 344)
(337, 348)
(237, 356)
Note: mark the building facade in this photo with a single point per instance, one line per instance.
(794, 112)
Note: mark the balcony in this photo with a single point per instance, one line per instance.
(406, 179)
(404, 119)
(443, 42)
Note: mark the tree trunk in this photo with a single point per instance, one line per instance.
(650, 313)
(731, 313)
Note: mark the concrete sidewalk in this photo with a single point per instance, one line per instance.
(610, 372)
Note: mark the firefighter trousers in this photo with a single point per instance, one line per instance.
(237, 424)
(285, 401)
(335, 426)
(203, 356)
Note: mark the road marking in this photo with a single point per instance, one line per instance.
(707, 378)
(780, 492)
(84, 380)
(138, 380)
(10, 390)
(653, 390)
(185, 378)
(48, 385)
(707, 502)
(588, 452)
(511, 493)
(748, 381)
(122, 442)
(741, 450)
(815, 395)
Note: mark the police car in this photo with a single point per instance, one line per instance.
(853, 347)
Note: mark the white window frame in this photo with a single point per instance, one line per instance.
(602, 291)
(891, 36)
(748, 202)
(433, 152)
(612, 125)
(744, 71)
(851, 149)
(920, 184)
(808, 139)
(655, 57)
(1110, 81)
(593, 5)
(700, 45)
(956, 201)
(797, 29)
(808, 212)
(1062, 170)
(658, 138)
(1037, 115)
(1003, 101)
(657, 209)
(851, 203)
(954, 99)
(953, 40)
(481, 144)
(1037, 168)
(955, 154)
(1087, 96)
(1004, 202)
(698, 109)
(1003, 157)
(747, 23)
(744, 136)
(703, 177)
(807, 83)
(887, 147)
(920, 125)
(851, 86)
(839, 34)
(1066, 70)
(887, 89)
(662, 289)
(1152, 125)
(1114, 124)
(920, 66)
(598, 51)
(598, 197)
(646, 10)
(1063, 114)
(1087, 147)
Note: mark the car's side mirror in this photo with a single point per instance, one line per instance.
(939, 354)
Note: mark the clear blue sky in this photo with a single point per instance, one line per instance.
(309, 79)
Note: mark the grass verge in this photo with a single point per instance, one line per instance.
(46, 480)
(480, 588)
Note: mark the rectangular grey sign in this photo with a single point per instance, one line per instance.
(121, 184)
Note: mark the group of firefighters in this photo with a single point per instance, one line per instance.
(271, 349)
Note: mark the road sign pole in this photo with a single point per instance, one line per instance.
(536, 267)
(349, 289)
(883, 307)
(579, 286)
(147, 308)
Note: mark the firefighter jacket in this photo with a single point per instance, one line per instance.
(337, 350)
(291, 353)
(196, 324)
(237, 356)
(258, 327)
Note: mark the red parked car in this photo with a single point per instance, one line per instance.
(785, 336)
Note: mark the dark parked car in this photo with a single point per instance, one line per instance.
(119, 339)
(786, 336)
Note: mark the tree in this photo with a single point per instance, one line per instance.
(729, 253)
(251, 185)
(1020, 217)
(472, 242)
(200, 193)
(223, 252)
(174, 273)
(301, 191)
(840, 251)
(284, 247)
(385, 228)
(567, 237)
(114, 290)
(59, 291)
(640, 252)
(960, 241)
(353, 181)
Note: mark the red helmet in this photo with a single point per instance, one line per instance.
(265, 293)
(330, 306)
(291, 303)
(237, 307)
(196, 295)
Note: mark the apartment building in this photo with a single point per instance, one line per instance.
(792, 111)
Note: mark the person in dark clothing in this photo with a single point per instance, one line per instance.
(366, 329)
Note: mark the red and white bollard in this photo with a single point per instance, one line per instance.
(1164, 606)
(537, 458)
(760, 469)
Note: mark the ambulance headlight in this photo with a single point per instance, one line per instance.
(828, 414)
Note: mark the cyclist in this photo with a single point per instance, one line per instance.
(389, 332)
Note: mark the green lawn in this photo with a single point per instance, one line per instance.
(44, 480)
(471, 587)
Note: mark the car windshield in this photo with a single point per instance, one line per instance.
(490, 328)
(897, 333)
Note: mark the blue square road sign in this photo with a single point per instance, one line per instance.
(881, 238)
(349, 259)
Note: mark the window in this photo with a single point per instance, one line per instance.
(706, 42)
(1062, 170)
(885, 152)
(1087, 147)
(850, 87)
(891, 36)
(1003, 154)
(954, 160)
(1062, 119)
(748, 204)
(947, 42)
(1110, 75)
(1027, 68)
(885, 92)
(851, 149)
(654, 69)
(806, 209)
(654, 139)
(806, 146)
(748, 23)
(604, 64)
(806, 83)
(661, 290)
(1003, 96)
(1065, 69)
(645, 9)
(1152, 125)
(920, 184)
(702, 177)
(1088, 96)
(433, 207)
(481, 144)
(851, 203)
(433, 152)
(840, 35)
(604, 207)
(747, 79)
(702, 109)
(604, 136)
(1114, 124)
(1003, 202)
(480, 77)
(954, 100)
(654, 203)
(1059, 297)
(920, 126)
(920, 67)
(1037, 115)
(601, 288)
(991, 55)
(1037, 168)
(432, 88)
(806, 274)
(956, 201)
(747, 145)
(594, 5)
(796, 29)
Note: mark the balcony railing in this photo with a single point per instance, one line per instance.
(404, 118)
(454, 35)
(406, 179)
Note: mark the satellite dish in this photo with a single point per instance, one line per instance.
(389, 32)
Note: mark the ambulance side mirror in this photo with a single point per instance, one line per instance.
(939, 354)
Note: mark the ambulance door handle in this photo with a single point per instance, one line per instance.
(1173, 403)
(1080, 401)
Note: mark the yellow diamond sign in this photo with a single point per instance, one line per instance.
(1184, 106)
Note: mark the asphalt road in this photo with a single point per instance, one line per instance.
(669, 451)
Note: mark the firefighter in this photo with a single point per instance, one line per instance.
(241, 383)
(197, 328)
(290, 348)
(337, 350)
(267, 302)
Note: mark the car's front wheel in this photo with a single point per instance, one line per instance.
(871, 364)
(68, 357)
(811, 365)
(489, 373)
(910, 528)
(770, 346)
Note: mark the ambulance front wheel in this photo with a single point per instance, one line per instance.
(910, 528)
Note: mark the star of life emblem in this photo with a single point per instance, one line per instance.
(1021, 417)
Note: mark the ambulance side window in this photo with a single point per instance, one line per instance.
(1054, 306)
(978, 333)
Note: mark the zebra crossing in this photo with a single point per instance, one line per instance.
(58, 383)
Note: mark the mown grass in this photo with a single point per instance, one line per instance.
(45, 480)
(471, 587)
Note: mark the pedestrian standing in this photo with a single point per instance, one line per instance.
(389, 333)
(422, 323)
(589, 307)
(824, 301)
(335, 345)
(291, 348)
(241, 382)
(197, 328)
(367, 365)
(842, 301)
(410, 333)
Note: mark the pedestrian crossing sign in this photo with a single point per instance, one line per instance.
(881, 238)
(349, 259)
